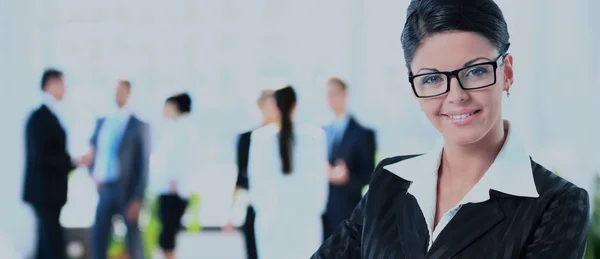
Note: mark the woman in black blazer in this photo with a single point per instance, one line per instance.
(477, 193)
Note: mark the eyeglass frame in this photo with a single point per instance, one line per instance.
(451, 74)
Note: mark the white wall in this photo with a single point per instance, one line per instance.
(19, 87)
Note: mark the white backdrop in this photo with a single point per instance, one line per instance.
(222, 52)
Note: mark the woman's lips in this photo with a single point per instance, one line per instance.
(462, 117)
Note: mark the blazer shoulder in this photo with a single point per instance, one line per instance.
(385, 185)
(549, 184)
(42, 114)
(99, 121)
(36, 113)
(243, 140)
(395, 159)
(137, 120)
(245, 135)
(140, 124)
(34, 117)
(355, 123)
(381, 174)
(42, 111)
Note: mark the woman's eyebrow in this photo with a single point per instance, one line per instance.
(428, 69)
(470, 62)
(475, 60)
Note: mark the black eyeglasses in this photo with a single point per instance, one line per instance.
(471, 77)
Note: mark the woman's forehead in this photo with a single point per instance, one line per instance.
(451, 50)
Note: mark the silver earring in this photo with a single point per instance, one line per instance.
(507, 94)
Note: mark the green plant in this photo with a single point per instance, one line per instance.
(152, 230)
(593, 242)
(150, 233)
(194, 209)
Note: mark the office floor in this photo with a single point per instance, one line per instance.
(209, 245)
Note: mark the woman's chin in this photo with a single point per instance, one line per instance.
(464, 136)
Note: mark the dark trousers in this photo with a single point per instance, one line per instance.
(340, 206)
(249, 236)
(50, 234)
(171, 209)
(110, 205)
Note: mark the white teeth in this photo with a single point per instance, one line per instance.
(460, 116)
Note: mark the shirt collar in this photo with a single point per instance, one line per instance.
(50, 102)
(181, 122)
(510, 173)
(122, 113)
(184, 118)
(342, 122)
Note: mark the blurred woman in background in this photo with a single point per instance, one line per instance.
(176, 164)
(287, 170)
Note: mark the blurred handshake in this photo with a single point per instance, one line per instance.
(85, 160)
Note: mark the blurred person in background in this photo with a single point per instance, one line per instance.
(287, 171)
(477, 193)
(175, 152)
(268, 109)
(47, 166)
(120, 146)
(351, 154)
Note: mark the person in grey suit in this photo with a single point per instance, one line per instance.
(120, 147)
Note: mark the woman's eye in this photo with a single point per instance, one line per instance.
(477, 71)
(431, 79)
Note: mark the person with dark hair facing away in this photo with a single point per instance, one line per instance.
(175, 163)
(268, 109)
(47, 166)
(120, 147)
(351, 155)
(477, 193)
(287, 172)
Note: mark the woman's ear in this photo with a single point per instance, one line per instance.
(509, 75)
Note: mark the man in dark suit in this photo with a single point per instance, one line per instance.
(351, 158)
(121, 150)
(47, 166)
(268, 110)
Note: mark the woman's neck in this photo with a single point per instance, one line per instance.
(468, 163)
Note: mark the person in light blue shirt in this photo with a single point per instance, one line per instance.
(351, 155)
(120, 148)
(335, 131)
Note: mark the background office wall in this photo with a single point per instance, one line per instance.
(224, 51)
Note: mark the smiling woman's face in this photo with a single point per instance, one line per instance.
(462, 117)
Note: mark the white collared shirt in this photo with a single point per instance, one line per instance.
(53, 105)
(510, 173)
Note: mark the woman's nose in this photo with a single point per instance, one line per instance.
(456, 94)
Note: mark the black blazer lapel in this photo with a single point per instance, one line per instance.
(471, 222)
(412, 228)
